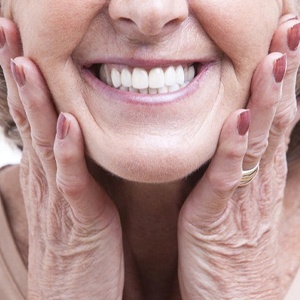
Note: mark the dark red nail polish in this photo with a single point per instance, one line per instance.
(62, 127)
(2, 38)
(294, 37)
(244, 121)
(18, 73)
(279, 68)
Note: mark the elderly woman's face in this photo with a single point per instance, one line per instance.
(85, 48)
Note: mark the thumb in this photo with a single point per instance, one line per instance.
(87, 199)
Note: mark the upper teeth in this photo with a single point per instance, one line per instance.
(157, 80)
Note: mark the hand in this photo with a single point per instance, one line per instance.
(229, 235)
(75, 237)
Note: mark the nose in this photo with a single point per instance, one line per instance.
(149, 17)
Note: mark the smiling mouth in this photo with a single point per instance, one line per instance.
(158, 80)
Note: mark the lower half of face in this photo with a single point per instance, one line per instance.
(154, 128)
(151, 137)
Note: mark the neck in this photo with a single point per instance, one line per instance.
(149, 214)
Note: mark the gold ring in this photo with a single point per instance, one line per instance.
(249, 175)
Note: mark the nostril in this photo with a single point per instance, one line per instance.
(127, 21)
(150, 17)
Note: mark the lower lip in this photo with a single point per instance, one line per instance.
(147, 99)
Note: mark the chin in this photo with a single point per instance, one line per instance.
(155, 166)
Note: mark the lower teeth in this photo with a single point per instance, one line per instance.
(150, 91)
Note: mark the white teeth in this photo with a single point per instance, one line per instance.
(140, 78)
(183, 85)
(170, 76)
(115, 78)
(157, 81)
(173, 88)
(132, 89)
(124, 88)
(179, 75)
(144, 91)
(156, 78)
(163, 90)
(126, 78)
(105, 75)
(191, 73)
(152, 91)
(185, 71)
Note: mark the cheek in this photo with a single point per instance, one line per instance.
(242, 29)
(55, 27)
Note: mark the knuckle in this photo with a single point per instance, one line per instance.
(23, 127)
(43, 149)
(284, 118)
(64, 156)
(223, 185)
(235, 153)
(21, 121)
(29, 106)
(70, 186)
(257, 147)
(34, 183)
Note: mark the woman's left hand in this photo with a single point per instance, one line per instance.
(227, 233)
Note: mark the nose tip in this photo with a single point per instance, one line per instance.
(157, 17)
(149, 17)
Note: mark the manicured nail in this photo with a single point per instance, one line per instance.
(294, 37)
(2, 38)
(279, 68)
(18, 73)
(244, 121)
(62, 127)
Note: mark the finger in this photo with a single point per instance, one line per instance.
(291, 138)
(209, 198)
(10, 48)
(286, 40)
(287, 17)
(87, 200)
(39, 110)
(266, 89)
(10, 45)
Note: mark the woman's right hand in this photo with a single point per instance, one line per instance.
(75, 236)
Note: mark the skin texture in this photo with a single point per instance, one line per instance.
(166, 142)
(125, 233)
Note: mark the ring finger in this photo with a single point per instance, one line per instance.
(266, 91)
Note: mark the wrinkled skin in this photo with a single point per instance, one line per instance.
(165, 142)
(228, 236)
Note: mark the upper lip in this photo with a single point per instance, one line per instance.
(146, 64)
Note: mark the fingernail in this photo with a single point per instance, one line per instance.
(62, 127)
(279, 68)
(244, 121)
(294, 37)
(2, 38)
(18, 73)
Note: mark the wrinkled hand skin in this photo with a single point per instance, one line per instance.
(75, 237)
(229, 235)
